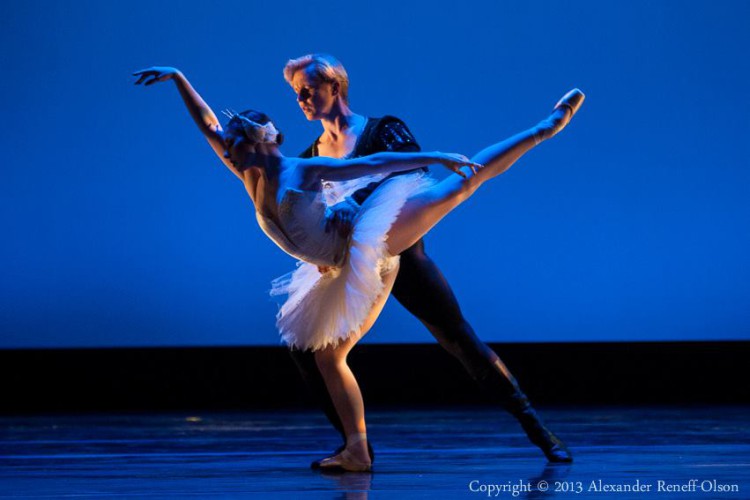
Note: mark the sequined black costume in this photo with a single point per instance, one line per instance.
(423, 290)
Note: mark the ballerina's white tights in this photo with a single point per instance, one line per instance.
(423, 211)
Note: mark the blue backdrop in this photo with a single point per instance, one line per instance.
(121, 228)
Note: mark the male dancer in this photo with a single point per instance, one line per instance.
(321, 84)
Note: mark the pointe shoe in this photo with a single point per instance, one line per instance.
(316, 463)
(570, 103)
(572, 100)
(344, 462)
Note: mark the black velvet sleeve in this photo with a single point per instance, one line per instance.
(393, 135)
(386, 134)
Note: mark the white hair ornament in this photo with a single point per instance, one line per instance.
(254, 131)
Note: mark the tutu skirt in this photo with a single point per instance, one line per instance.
(323, 309)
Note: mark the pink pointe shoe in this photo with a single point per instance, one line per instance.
(564, 110)
(346, 461)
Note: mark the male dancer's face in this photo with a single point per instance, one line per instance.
(316, 98)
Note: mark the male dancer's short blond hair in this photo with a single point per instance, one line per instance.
(325, 67)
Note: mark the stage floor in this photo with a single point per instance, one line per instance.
(620, 453)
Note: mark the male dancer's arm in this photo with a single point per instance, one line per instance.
(388, 134)
(393, 135)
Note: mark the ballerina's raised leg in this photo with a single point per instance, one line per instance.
(423, 211)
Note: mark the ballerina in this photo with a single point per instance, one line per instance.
(346, 273)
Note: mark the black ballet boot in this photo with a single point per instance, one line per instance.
(500, 382)
(551, 445)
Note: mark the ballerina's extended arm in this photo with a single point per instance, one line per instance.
(201, 112)
(334, 169)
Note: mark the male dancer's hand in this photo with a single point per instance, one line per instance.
(341, 217)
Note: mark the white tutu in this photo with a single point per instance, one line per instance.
(323, 309)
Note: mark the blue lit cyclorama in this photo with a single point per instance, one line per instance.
(121, 228)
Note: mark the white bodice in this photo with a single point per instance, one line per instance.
(302, 230)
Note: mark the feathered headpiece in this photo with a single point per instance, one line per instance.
(254, 131)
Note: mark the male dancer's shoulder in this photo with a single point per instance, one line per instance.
(391, 134)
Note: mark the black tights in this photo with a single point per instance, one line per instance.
(423, 290)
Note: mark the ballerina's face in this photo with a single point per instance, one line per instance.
(314, 96)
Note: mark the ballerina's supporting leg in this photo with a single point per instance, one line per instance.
(426, 209)
(345, 393)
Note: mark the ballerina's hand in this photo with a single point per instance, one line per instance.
(455, 161)
(155, 74)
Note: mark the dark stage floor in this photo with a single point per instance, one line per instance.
(439, 453)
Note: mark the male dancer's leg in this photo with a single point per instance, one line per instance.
(423, 290)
